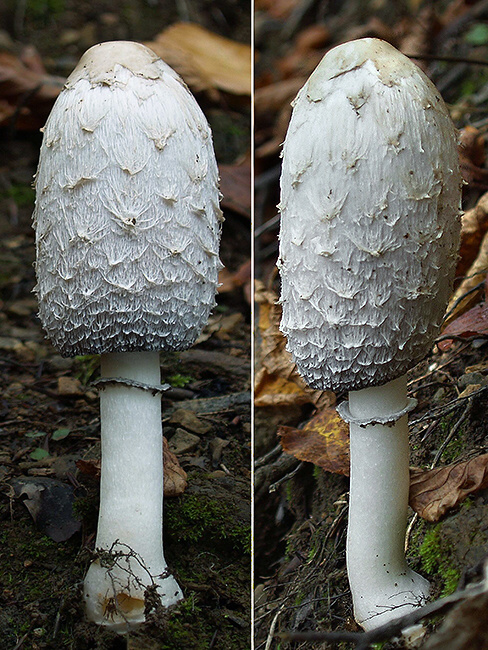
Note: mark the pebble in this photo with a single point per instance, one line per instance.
(189, 421)
(471, 378)
(183, 442)
(471, 388)
(217, 474)
(216, 447)
(69, 386)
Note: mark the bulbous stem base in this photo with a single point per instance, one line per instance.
(118, 590)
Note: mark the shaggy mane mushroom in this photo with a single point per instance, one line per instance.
(368, 247)
(127, 230)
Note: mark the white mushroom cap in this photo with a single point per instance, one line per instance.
(369, 217)
(127, 217)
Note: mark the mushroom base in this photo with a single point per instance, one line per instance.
(383, 587)
(394, 597)
(118, 596)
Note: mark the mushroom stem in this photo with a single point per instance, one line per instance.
(131, 498)
(383, 587)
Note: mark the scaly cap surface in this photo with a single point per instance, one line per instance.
(127, 212)
(370, 198)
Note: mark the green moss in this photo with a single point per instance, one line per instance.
(315, 543)
(289, 548)
(181, 633)
(289, 491)
(86, 366)
(194, 518)
(436, 558)
(39, 9)
(317, 472)
(454, 449)
(179, 381)
(467, 504)
(23, 195)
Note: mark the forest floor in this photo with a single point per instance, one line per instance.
(49, 413)
(301, 509)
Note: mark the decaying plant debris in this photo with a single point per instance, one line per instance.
(301, 583)
(49, 425)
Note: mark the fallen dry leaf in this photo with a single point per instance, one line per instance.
(26, 94)
(229, 281)
(324, 441)
(471, 323)
(174, 476)
(50, 504)
(278, 381)
(235, 185)
(205, 60)
(280, 9)
(472, 145)
(472, 157)
(474, 224)
(271, 98)
(70, 387)
(312, 37)
(89, 467)
(223, 326)
(306, 53)
(271, 390)
(465, 627)
(420, 32)
(434, 492)
(465, 295)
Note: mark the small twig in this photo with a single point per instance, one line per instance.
(408, 532)
(271, 455)
(274, 486)
(437, 368)
(271, 473)
(272, 627)
(20, 643)
(474, 289)
(452, 432)
(213, 639)
(274, 222)
(464, 339)
(391, 629)
(447, 408)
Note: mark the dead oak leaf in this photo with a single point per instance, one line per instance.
(474, 224)
(89, 467)
(26, 93)
(465, 627)
(174, 475)
(468, 292)
(205, 60)
(435, 491)
(278, 382)
(235, 184)
(472, 323)
(324, 441)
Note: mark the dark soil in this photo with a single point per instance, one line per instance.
(301, 581)
(206, 529)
